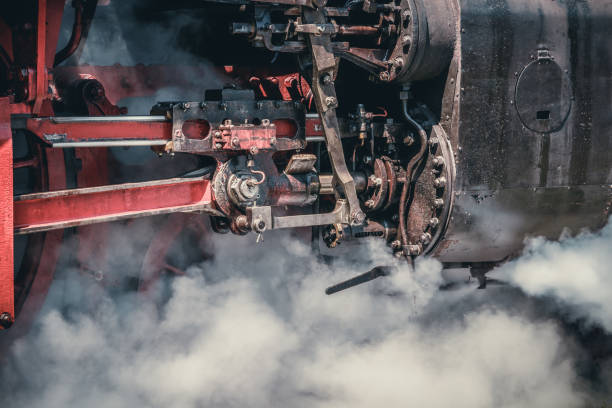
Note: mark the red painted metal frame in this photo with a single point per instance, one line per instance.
(7, 296)
(51, 130)
(69, 208)
(48, 130)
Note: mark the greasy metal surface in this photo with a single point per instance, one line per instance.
(512, 181)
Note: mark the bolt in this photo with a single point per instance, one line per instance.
(218, 145)
(357, 217)
(327, 79)
(396, 244)
(377, 181)
(235, 142)
(414, 250)
(185, 105)
(398, 62)
(217, 133)
(265, 122)
(6, 320)
(383, 76)
(272, 141)
(321, 29)
(440, 182)
(254, 150)
(259, 225)
(433, 142)
(330, 101)
(406, 40)
(369, 203)
(406, 14)
(438, 203)
(242, 222)
(425, 238)
(203, 106)
(438, 161)
(434, 222)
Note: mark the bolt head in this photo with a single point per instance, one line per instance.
(235, 142)
(438, 161)
(438, 203)
(369, 203)
(6, 320)
(357, 217)
(425, 238)
(218, 145)
(383, 76)
(330, 101)
(434, 222)
(254, 150)
(414, 250)
(440, 182)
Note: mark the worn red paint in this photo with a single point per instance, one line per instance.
(48, 130)
(7, 295)
(34, 212)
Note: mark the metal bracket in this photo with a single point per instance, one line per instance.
(261, 218)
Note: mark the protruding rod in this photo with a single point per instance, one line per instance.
(374, 273)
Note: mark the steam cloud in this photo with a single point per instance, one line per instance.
(254, 328)
(573, 270)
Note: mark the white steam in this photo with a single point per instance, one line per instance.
(576, 271)
(254, 328)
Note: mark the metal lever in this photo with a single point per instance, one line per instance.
(324, 66)
(359, 279)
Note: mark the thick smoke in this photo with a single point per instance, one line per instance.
(254, 328)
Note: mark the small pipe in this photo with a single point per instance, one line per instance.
(403, 235)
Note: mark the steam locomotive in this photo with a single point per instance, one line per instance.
(445, 128)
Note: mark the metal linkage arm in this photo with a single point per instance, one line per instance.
(69, 208)
(324, 67)
(261, 218)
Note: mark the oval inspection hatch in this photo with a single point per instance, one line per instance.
(543, 95)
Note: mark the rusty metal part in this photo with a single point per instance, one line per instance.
(376, 195)
(324, 63)
(236, 124)
(410, 167)
(333, 234)
(301, 164)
